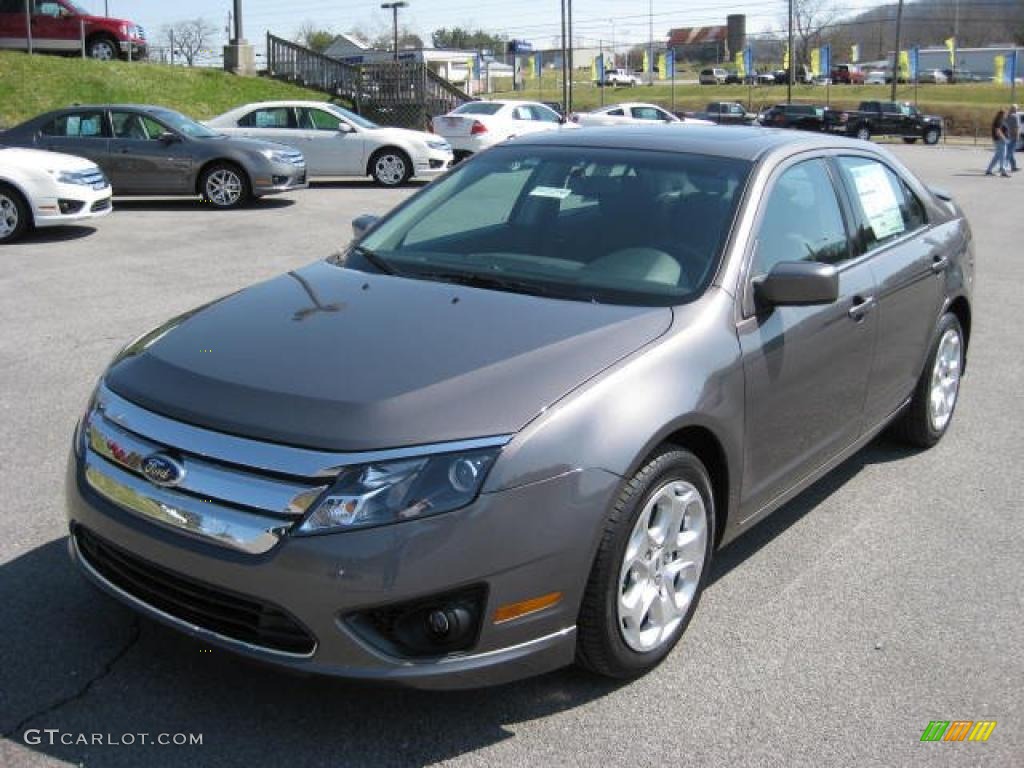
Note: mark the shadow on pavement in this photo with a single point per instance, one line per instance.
(61, 234)
(195, 204)
(77, 661)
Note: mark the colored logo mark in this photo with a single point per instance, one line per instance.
(958, 730)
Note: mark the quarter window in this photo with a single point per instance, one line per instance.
(802, 220)
(78, 125)
(886, 208)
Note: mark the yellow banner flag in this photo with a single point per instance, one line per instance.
(816, 62)
(469, 69)
(854, 53)
(530, 68)
(999, 68)
(647, 62)
(785, 57)
(951, 47)
(741, 70)
(904, 65)
(662, 66)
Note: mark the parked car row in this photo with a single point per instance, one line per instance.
(872, 118)
(256, 150)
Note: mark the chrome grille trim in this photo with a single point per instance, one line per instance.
(203, 479)
(257, 455)
(244, 531)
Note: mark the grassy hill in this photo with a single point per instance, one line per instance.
(33, 84)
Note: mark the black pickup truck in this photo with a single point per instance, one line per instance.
(886, 118)
(726, 113)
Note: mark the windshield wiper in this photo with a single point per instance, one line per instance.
(483, 280)
(379, 262)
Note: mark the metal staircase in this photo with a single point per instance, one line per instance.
(402, 93)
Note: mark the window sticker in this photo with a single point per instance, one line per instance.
(558, 193)
(878, 200)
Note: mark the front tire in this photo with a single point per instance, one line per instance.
(931, 136)
(390, 167)
(863, 133)
(103, 48)
(225, 186)
(14, 214)
(926, 419)
(650, 569)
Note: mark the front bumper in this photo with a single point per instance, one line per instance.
(274, 178)
(434, 164)
(138, 48)
(519, 543)
(71, 203)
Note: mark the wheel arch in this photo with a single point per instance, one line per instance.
(393, 148)
(961, 308)
(198, 180)
(20, 189)
(103, 34)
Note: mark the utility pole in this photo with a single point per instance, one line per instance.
(650, 42)
(896, 53)
(792, 57)
(28, 24)
(106, 7)
(393, 7)
(600, 71)
(568, 22)
(565, 66)
(238, 22)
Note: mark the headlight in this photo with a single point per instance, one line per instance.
(280, 156)
(444, 146)
(405, 489)
(83, 178)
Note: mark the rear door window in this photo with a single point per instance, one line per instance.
(77, 125)
(276, 117)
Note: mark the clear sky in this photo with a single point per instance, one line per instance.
(533, 20)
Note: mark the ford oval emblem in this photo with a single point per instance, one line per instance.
(161, 469)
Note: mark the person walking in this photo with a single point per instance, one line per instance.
(1000, 138)
(1013, 137)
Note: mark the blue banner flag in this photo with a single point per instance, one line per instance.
(476, 67)
(670, 62)
(826, 60)
(915, 62)
(748, 61)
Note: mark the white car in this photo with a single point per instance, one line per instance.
(713, 76)
(621, 77)
(337, 142)
(875, 77)
(632, 114)
(48, 189)
(477, 125)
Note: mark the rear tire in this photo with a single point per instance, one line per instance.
(225, 186)
(15, 216)
(650, 569)
(926, 419)
(863, 133)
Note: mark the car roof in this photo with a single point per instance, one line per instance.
(629, 104)
(740, 142)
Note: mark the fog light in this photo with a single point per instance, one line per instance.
(70, 206)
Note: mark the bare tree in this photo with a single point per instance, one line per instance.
(189, 38)
(812, 21)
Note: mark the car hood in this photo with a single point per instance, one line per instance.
(402, 134)
(335, 359)
(41, 160)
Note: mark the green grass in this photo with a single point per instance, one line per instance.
(33, 84)
(964, 106)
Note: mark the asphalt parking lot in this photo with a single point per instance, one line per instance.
(888, 595)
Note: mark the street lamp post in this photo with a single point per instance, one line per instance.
(393, 7)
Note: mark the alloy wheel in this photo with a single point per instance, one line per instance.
(945, 382)
(662, 566)
(102, 50)
(8, 216)
(863, 134)
(389, 169)
(224, 188)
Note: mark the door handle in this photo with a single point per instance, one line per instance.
(939, 263)
(861, 306)
(124, 151)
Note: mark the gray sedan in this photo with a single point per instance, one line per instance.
(510, 426)
(147, 150)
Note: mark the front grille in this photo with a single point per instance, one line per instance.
(100, 205)
(294, 157)
(238, 617)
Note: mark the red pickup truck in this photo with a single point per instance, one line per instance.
(58, 25)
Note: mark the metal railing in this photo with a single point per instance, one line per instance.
(402, 93)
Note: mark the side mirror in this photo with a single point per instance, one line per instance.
(345, 128)
(363, 224)
(167, 137)
(797, 284)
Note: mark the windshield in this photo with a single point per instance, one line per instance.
(183, 125)
(76, 8)
(591, 224)
(478, 108)
(352, 117)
